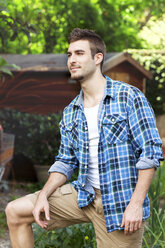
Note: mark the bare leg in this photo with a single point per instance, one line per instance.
(19, 220)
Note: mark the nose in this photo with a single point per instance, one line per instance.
(72, 59)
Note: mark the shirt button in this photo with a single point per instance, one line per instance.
(86, 166)
(113, 119)
(87, 147)
(86, 128)
(83, 185)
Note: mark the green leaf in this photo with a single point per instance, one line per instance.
(6, 70)
(2, 62)
(13, 66)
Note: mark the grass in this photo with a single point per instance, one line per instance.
(3, 224)
(154, 236)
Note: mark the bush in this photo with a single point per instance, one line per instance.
(79, 235)
(36, 136)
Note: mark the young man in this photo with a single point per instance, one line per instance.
(109, 133)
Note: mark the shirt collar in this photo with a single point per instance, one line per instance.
(110, 90)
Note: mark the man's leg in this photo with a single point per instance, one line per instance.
(115, 239)
(64, 211)
(19, 219)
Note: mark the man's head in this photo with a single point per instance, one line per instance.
(97, 45)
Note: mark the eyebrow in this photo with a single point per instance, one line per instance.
(76, 51)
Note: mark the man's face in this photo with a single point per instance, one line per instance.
(80, 62)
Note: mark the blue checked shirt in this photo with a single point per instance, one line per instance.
(128, 141)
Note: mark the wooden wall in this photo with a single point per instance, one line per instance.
(47, 92)
(127, 73)
(37, 92)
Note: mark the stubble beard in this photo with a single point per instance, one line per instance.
(77, 78)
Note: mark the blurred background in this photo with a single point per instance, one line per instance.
(35, 86)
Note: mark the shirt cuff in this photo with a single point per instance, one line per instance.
(146, 163)
(62, 168)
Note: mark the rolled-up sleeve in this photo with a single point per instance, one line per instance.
(65, 161)
(144, 134)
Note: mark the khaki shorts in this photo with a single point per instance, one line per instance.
(64, 211)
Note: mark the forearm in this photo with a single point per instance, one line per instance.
(142, 186)
(133, 215)
(54, 181)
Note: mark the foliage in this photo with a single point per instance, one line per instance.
(79, 235)
(3, 224)
(38, 26)
(153, 34)
(36, 136)
(16, 25)
(155, 229)
(154, 61)
(4, 68)
(33, 187)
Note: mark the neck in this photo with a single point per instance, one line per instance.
(93, 89)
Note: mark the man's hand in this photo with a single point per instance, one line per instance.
(132, 218)
(42, 205)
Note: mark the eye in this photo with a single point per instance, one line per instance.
(80, 53)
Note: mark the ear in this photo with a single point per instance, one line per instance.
(98, 58)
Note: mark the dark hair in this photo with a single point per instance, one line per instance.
(97, 45)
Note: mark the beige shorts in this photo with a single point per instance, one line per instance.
(64, 211)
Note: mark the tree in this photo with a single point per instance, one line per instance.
(16, 24)
(39, 26)
(125, 19)
(153, 33)
(43, 26)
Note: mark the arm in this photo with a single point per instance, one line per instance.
(54, 181)
(60, 171)
(132, 218)
(147, 146)
(144, 135)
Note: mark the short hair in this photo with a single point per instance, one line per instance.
(97, 45)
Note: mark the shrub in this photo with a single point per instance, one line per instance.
(36, 136)
(79, 235)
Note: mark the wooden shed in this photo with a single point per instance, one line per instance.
(43, 84)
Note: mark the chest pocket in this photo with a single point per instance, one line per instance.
(72, 133)
(115, 128)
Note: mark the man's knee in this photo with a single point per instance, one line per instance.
(19, 211)
(11, 213)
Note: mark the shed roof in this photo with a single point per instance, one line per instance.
(38, 62)
(113, 59)
(58, 62)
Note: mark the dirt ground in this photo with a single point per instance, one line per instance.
(9, 192)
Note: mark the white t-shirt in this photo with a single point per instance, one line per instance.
(93, 173)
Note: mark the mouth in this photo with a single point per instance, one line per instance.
(74, 68)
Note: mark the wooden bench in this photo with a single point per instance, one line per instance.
(6, 150)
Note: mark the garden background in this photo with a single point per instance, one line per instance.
(38, 26)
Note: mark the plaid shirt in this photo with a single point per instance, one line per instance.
(128, 141)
